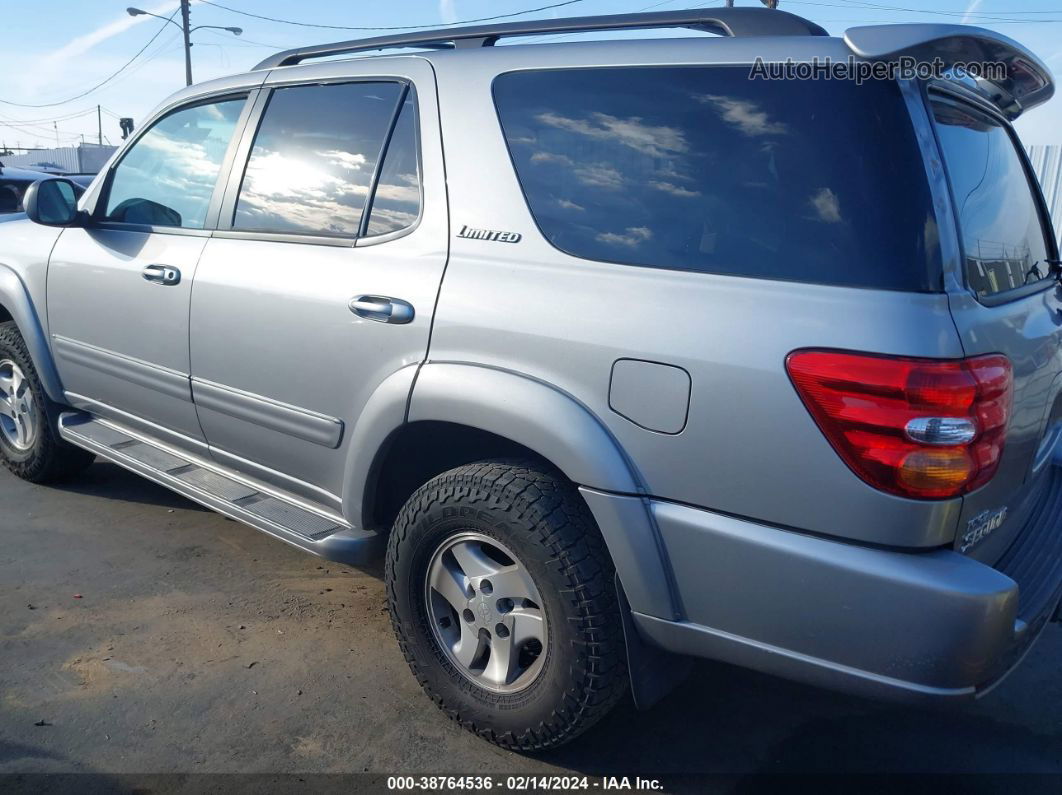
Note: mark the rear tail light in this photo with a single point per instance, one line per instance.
(922, 428)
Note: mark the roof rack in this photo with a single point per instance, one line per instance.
(724, 21)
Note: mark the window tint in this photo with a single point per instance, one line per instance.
(313, 158)
(1003, 239)
(701, 168)
(11, 194)
(396, 203)
(168, 176)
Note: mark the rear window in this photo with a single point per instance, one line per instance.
(703, 169)
(1004, 246)
(11, 194)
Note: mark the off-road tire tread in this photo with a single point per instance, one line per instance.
(53, 459)
(549, 506)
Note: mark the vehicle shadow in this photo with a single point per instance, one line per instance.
(28, 768)
(743, 726)
(111, 482)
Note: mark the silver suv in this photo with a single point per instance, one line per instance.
(628, 352)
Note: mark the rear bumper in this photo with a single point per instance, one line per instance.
(878, 622)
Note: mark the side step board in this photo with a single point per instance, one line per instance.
(208, 484)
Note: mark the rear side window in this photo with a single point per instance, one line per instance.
(313, 158)
(703, 169)
(167, 177)
(1003, 239)
(396, 203)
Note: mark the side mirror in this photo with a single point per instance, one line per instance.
(52, 202)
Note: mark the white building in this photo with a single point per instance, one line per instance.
(1047, 163)
(84, 158)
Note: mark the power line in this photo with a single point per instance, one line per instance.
(100, 84)
(975, 16)
(30, 122)
(41, 132)
(244, 40)
(1004, 16)
(391, 27)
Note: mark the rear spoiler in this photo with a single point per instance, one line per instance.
(1028, 82)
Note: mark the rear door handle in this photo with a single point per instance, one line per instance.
(162, 274)
(382, 309)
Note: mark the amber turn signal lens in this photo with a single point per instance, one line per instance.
(934, 472)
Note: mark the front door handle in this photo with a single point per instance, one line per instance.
(162, 274)
(382, 309)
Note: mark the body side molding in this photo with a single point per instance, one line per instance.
(151, 376)
(282, 418)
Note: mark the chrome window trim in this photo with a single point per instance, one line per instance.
(241, 158)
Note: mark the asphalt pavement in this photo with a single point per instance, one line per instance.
(140, 633)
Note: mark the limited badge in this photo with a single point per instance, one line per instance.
(489, 234)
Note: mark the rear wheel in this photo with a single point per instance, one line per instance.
(502, 598)
(30, 445)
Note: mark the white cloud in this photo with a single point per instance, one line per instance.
(633, 236)
(86, 41)
(743, 114)
(632, 132)
(673, 189)
(599, 176)
(447, 11)
(566, 204)
(826, 206)
(551, 157)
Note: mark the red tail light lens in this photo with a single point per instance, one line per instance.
(922, 428)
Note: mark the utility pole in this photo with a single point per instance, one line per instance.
(187, 43)
(99, 125)
(186, 30)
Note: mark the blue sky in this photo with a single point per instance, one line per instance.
(54, 49)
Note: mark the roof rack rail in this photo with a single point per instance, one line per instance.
(724, 21)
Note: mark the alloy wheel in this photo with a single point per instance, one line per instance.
(486, 612)
(19, 418)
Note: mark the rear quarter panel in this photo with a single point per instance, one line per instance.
(749, 447)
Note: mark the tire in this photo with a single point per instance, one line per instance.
(36, 453)
(532, 526)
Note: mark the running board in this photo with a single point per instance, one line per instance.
(211, 485)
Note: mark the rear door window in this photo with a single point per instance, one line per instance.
(314, 157)
(1004, 246)
(396, 201)
(704, 169)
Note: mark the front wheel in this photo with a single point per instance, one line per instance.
(30, 445)
(502, 597)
